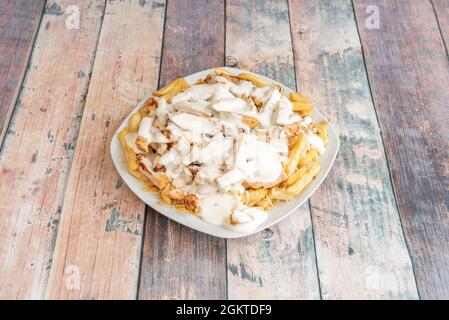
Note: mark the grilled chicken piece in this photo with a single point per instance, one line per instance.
(191, 201)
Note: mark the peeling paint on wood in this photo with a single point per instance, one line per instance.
(258, 38)
(178, 262)
(19, 22)
(408, 69)
(101, 226)
(361, 252)
(30, 193)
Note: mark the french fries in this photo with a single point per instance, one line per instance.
(298, 174)
(306, 113)
(280, 194)
(172, 89)
(322, 132)
(180, 86)
(299, 148)
(130, 156)
(165, 90)
(251, 197)
(134, 122)
(264, 204)
(310, 156)
(304, 181)
(222, 72)
(255, 80)
(301, 104)
(301, 167)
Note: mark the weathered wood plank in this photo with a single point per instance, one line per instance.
(361, 252)
(409, 74)
(19, 22)
(278, 263)
(97, 251)
(441, 8)
(38, 148)
(180, 263)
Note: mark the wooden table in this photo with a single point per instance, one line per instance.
(70, 71)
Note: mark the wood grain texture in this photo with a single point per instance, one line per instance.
(409, 74)
(98, 246)
(178, 262)
(441, 8)
(361, 252)
(19, 21)
(278, 263)
(38, 148)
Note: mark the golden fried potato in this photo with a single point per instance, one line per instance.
(130, 156)
(134, 122)
(322, 132)
(177, 88)
(310, 156)
(169, 87)
(305, 180)
(251, 197)
(280, 194)
(255, 80)
(295, 154)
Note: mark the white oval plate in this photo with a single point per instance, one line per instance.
(276, 214)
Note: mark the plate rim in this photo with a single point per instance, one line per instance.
(151, 200)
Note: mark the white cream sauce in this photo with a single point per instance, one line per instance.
(206, 129)
(216, 208)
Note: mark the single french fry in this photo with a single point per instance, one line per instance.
(296, 96)
(306, 113)
(298, 174)
(221, 71)
(322, 132)
(255, 80)
(300, 184)
(131, 160)
(134, 122)
(179, 86)
(298, 149)
(130, 156)
(253, 196)
(300, 106)
(141, 177)
(310, 156)
(169, 87)
(280, 194)
(264, 204)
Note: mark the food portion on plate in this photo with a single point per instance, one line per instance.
(226, 148)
